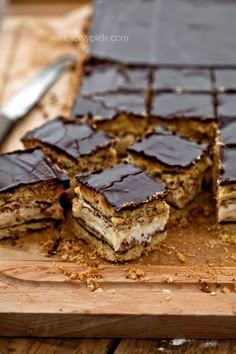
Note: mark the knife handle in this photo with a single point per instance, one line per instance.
(5, 127)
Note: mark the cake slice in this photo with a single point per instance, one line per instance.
(123, 210)
(176, 160)
(227, 185)
(192, 115)
(30, 192)
(74, 147)
(121, 114)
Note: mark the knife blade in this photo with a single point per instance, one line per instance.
(24, 100)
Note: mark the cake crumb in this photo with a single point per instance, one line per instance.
(225, 290)
(92, 285)
(181, 257)
(167, 298)
(73, 275)
(170, 280)
(135, 274)
(213, 293)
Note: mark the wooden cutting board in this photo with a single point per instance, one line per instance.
(185, 289)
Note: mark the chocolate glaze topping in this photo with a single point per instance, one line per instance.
(124, 186)
(27, 167)
(187, 105)
(166, 31)
(111, 77)
(90, 106)
(124, 101)
(226, 105)
(168, 148)
(228, 130)
(225, 80)
(182, 79)
(101, 77)
(70, 137)
(228, 171)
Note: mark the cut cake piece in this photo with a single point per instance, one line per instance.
(30, 192)
(176, 160)
(192, 115)
(123, 210)
(75, 147)
(121, 114)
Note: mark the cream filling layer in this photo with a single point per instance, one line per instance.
(226, 204)
(227, 212)
(119, 238)
(24, 214)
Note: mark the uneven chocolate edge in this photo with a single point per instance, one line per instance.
(110, 140)
(116, 112)
(129, 206)
(123, 68)
(177, 168)
(60, 176)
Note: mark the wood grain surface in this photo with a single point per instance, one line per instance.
(33, 288)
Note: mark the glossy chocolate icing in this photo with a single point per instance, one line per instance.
(198, 106)
(70, 137)
(182, 79)
(124, 101)
(165, 31)
(124, 185)
(168, 148)
(111, 77)
(88, 106)
(109, 104)
(27, 167)
(228, 170)
(226, 105)
(228, 130)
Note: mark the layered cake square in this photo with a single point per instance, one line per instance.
(123, 210)
(182, 80)
(227, 185)
(30, 192)
(75, 147)
(192, 115)
(121, 114)
(176, 160)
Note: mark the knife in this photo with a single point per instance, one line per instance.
(24, 100)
